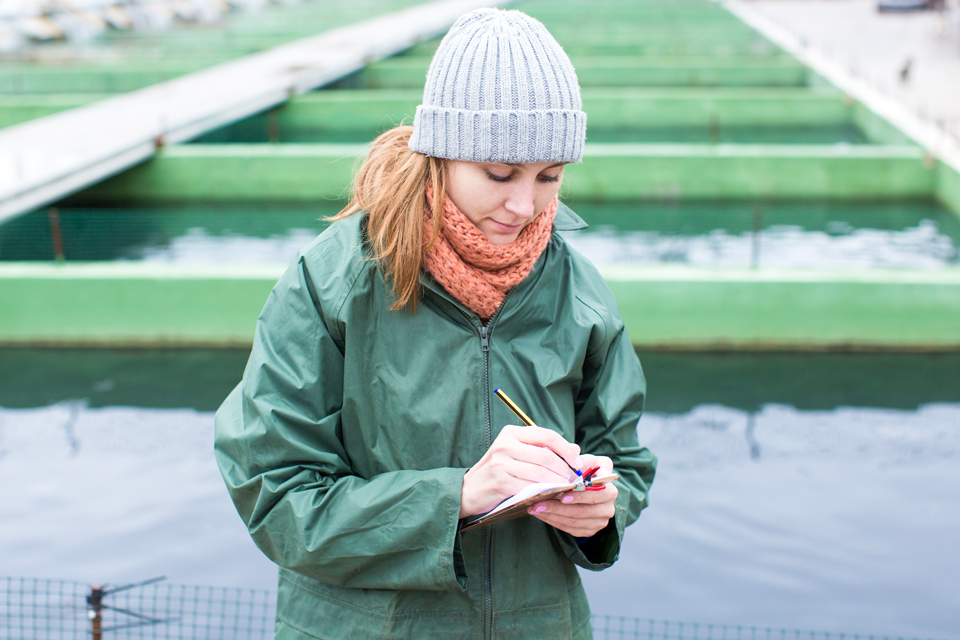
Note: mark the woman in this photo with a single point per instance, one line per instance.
(365, 429)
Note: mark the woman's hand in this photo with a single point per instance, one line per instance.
(581, 513)
(518, 457)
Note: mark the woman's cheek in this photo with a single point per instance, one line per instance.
(551, 192)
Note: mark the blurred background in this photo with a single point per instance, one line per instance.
(773, 192)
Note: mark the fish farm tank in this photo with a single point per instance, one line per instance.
(786, 260)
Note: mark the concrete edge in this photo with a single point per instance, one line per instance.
(137, 270)
(616, 273)
(934, 140)
(78, 166)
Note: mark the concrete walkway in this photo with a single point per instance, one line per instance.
(48, 158)
(913, 58)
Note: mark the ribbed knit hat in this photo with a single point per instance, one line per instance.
(500, 89)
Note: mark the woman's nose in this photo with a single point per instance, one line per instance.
(521, 201)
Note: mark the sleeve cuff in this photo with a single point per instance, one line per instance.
(456, 545)
(600, 550)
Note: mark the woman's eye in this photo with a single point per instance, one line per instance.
(555, 178)
(497, 178)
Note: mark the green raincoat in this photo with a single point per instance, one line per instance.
(345, 445)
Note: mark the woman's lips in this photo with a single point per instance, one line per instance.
(506, 228)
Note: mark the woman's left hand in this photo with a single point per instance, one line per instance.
(580, 513)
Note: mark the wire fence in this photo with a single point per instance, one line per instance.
(38, 609)
(625, 628)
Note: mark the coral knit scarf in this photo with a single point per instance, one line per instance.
(472, 269)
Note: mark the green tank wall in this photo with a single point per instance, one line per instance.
(124, 304)
(611, 172)
(682, 66)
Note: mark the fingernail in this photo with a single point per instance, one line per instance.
(540, 508)
(578, 463)
(567, 499)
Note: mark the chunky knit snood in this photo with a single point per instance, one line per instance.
(478, 273)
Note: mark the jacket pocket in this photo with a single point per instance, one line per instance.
(334, 613)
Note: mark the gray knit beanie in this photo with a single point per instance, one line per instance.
(500, 89)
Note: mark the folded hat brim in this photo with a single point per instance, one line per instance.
(513, 137)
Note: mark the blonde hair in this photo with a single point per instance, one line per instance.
(391, 186)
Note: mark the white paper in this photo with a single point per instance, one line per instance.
(527, 492)
(538, 487)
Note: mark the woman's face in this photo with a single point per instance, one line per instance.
(502, 199)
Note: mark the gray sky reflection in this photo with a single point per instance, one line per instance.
(845, 520)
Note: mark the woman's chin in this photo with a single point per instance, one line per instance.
(501, 239)
(501, 234)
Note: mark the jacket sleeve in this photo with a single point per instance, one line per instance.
(278, 442)
(608, 409)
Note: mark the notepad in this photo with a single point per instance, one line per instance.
(516, 506)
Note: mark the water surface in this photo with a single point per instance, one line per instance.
(842, 520)
(815, 491)
(859, 235)
(188, 233)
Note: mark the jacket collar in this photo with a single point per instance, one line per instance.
(567, 220)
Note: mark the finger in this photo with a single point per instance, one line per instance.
(597, 466)
(514, 449)
(529, 472)
(576, 527)
(577, 531)
(599, 520)
(552, 440)
(583, 527)
(545, 458)
(608, 494)
(573, 511)
(605, 463)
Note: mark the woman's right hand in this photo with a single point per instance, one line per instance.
(518, 457)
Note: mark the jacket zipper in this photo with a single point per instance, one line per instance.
(484, 332)
(488, 533)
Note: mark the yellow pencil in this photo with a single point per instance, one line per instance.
(525, 419)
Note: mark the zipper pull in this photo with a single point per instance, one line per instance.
(484, 340)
